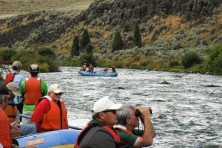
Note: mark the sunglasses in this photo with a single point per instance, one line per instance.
(58, 94)
(112, 111)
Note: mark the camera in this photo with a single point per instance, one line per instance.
(138, 113)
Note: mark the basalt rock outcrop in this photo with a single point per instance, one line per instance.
(128, 11)
(45, 27)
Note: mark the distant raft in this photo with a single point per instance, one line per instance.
(98, 73)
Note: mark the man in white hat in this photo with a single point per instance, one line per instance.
(13, 114)
(99, 132)
(32, 89)
(16, 77)
(50, 113)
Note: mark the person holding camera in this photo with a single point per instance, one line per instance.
(128, 120)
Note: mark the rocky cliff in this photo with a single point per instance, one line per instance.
(47, 27)
(128, 11)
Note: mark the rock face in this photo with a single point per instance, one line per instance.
(45, 27)
(126, 11)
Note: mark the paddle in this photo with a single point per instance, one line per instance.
(70, 126)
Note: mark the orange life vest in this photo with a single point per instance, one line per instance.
(11, 111)
(107, 128)
(55, 118)
(84, 67)
(33, 90)
(5, 135)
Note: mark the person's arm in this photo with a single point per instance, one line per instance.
(37, 116)
(44, 88)
(147, 138)
(22, 89)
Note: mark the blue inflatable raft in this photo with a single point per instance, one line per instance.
(97, 73)
(64, 138)
(60, 138)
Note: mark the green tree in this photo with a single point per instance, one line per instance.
(75, 47)
(190, 59)
(117, 43)
(85, 39)
(89, 48)
(214, 60)
(137, 36)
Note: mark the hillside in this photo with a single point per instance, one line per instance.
(9, 8)
(168, 27)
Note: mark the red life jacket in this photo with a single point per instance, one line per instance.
(107, 128)
(9, 78)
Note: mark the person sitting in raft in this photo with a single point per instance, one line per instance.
(99, 132)
(91, 68)
(105, 70)
(113, 69)
(84, 67)
(13, 114)
(50, 113)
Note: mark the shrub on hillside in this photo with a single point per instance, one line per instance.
(87, 58)
(189, 59)
(45, 64)
(46, 52)
(214, 60)
(6, 54)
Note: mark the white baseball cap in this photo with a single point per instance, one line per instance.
(105, 104)
(14, 88)
(55, 88)
(34, 68)
(17, 64)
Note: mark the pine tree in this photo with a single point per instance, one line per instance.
(89, 48)
(85, 39)
(137, 36)
(117, 43)
(75, 47)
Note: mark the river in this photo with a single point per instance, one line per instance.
(186, 112)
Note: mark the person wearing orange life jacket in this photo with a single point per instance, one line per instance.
(13, 114)
(32, 89)
(128, 120)
(50, 113)
(99, 132)
(16, 77)
(5, 134)
(84, 66)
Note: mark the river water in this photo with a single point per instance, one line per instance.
(186, 112)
